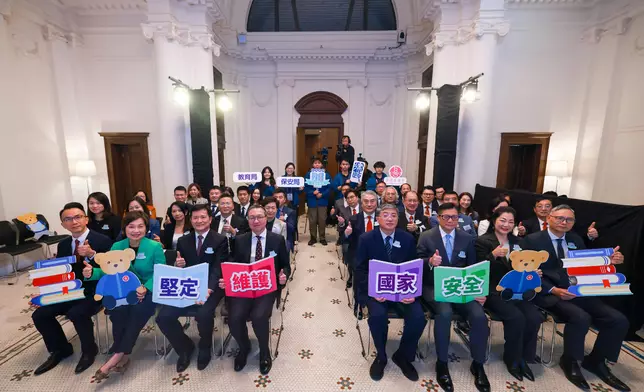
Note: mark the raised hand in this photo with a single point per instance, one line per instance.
(500, 251)
(521, 228)
(180, 261)
(563, 294)
(348, 230)
(617, 257)
(87, 270)
(340, 220)
(436, 259)
(140, 292)
(592, 231)
(85, 249)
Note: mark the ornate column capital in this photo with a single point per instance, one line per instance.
(290, 82)
(55, 33)
(357, 82)
(183, 35)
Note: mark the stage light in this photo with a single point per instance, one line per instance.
(470, 93)
(224, 104)
(181, 96)
(422, 101)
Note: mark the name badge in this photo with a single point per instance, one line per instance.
(376, 224)
(285, 216)
(218, 213)
(209, 251)
(460, 220)
(105, 227)
(461, 254)
(466, 227)
(418, 222)
(289, 196)
(140, 256)
(516, 247)
(396, 244)
(422, 227)
(272, 254)
(186, 232)
(572, 245)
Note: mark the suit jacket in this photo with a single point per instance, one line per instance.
(531, 225)
(431, 240)
(465, 223)
(168, 233)
(236, 221)
(291, 224)
(238, 210)
(372, 246)
(419, 218)
(499, 266)
(110, 226)
(341, 210)
(214, 209)
(278, 227)
(99, 242)
(214, 251)
(274, 243)
(554, 275)
(358, 228)
(434, 207)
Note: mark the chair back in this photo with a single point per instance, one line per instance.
(170, 256)
(8, 234)
(24, 233)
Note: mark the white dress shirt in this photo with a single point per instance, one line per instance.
(245, 207)
(366, 220)
(357, 208)
(221, 223)
(564, 244)
(81, 239)
(204, 235)
(444, 233)
(431, 212)
(253, 245)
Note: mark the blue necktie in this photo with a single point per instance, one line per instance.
(448, 247)
(388, 246)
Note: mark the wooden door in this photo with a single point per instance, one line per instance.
(522, 161)
(128, 167)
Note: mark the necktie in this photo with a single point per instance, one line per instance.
(448, 246)
(369, 223)
(560, 249)
(199, 244)
(388, 246)
(243, 211)
(76, 245)
(222, 226)
(544, 226)
(427, 213)
(279, 213)
(411, 219)
(214, 208)
(259, 252)
(353, 211)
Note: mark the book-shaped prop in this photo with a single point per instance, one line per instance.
(118, 285)
(523, 282)
(34, 224)
(317, 178)
(591, 274)
(250, 280)
(357, 171)
(290, 182)
(56, 281)
(180, 287)
(247, 177)
(461, 285)
(395, 282)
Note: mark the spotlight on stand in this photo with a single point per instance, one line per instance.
(422, 101)
(181, 95)
(470, 92)
(224, 104)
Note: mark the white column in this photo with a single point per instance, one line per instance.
(5, 12)
(285, 109)
(356, 127)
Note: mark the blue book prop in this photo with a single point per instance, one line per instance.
(523, 282)
(180, 287)
(118, 285)
(55, 281)
(591, 274)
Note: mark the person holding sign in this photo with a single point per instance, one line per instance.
(447, 246)
(317, 199)
(377, 177)
(83, 244)
(521, 319)
(250, 247)
(412, 220)
(205, 245)
(396, 246)
(343, 177)
(286, 215)
(292, 194)
(577, 312)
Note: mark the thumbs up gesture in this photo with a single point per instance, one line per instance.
(348, 230)
(87, 271)
(592, 231)
(500, 251)
(436, 259)
(521, 229)
(340, 220)
(85, 249)
(617, 257)
(180, 261)
(282, 277)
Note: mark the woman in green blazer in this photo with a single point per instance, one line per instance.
(128, 320)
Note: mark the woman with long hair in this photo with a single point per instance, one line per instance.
(256, 196)
(292, 194)
(148, 202)
(101, 217)
(154, 226)
(484, 225)
(194, 195)
(267, 185)
(179, 225)
(465, 207)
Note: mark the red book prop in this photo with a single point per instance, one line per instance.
(250, 280)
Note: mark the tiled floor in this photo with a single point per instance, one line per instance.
(319, 350)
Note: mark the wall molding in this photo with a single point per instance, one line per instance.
(182, 34)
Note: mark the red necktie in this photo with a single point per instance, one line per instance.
(544, 226)
(427, 211)
(76, 245)
(411, 219)
(259, 252)
(353, 211)
(199, 244)
(369, 224)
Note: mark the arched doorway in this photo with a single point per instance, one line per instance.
(320, 126)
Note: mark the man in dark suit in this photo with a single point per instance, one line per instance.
(258, 244)
(214, 194)
(286, 215)
(412, 220)
(447, 246)
(360, 223)
(227, 223)
(204, 246)
(387, 243)
(83, 244)
(465, 222)
(577, 312)
(180, 194)
(429, 206)
(243, 195)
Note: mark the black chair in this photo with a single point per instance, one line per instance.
(24, 234)
(9, 244)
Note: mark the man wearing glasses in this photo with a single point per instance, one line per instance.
(465, 222)
(445, 245)
(579, 313)
(83, 244)
(250, 247)
(539, 222)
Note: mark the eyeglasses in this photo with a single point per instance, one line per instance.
(544, 206)
(449, 217)
(76, 218)
(562, 219)
(256, 218)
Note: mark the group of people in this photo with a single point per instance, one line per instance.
(374, 221)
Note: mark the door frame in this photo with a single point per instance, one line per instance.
(127, 138)
(510, 138)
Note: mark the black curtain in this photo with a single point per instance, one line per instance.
(201, 139)
(617, 225)
(446, 135)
